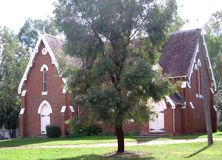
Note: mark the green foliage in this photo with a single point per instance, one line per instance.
(12, 64)
(116, 79)
(213, 36)
(219, 127)
(177, 24)
(53, 131)
(28, 34)
(81, 126)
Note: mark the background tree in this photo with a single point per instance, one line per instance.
(177, 24)
(28, 34)
(118, 42)
(213, 36)
(12, 63)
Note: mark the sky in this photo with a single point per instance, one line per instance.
(13, 13)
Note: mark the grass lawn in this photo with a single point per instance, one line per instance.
(194, 151)
(90, 140)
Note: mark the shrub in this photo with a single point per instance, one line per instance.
(80, 126)
(53, 131)
(219, 127)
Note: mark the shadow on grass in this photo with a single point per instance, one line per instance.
(197, 152)
(167, 137)
(88, 140)
(98, 157)
(38, 141)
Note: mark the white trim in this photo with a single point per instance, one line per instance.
(64, 80)
(175, 77)
(42, 104)
(199, 76)
(71, 109)
(52, 55)
(195, 66)
(130, 120)
(22, 111)
(198, 63)
(190, 71)
(168, 99)
(184, 107)
(191, 105)
(157, 67)
(215, 108)
(44, 66)
(44, 51)
(197, 95)
(63, 109)
(212, 91)
(210, 66)
(64, 89)
(44, 93)
(192, 66)
(30, 64)
(185, 84)
(23, 93)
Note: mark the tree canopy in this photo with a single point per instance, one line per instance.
(29, 32)
(119, 42)
(213, 30)
(12, 63)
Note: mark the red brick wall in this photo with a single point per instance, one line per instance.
(187, 120)
(168, 120)
(128, 128)
(34, 97)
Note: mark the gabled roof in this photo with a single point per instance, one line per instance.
(54, 47)
(177, 99)
(179, 54)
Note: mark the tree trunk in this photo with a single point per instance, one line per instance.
(120, 138)
(207, 118)
(207, 109)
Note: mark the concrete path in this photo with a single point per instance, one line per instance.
(126, 143)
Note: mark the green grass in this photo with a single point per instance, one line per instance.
(90, 140)
(194, 151)
(60, 141)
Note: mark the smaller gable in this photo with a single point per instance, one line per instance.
(53, 46)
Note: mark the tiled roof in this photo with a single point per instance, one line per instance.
(176, 98)
(178, 52)
(56, 46)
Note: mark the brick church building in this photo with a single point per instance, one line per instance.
(184, 60)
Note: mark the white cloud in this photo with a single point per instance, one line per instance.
(197, 12)
(13, 13)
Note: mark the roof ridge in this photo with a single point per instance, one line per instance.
(47, 34)
(186, 31)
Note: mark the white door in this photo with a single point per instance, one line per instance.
(45, 118)
(157, 123)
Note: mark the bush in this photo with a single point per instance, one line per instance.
(219, 127)
(53, 131)
(80, 126)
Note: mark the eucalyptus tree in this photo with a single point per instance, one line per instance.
(119, 42)
(12, 63)
(29, 32)
(213, 36)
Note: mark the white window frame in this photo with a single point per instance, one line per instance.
(44, 70)
(199, 79)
